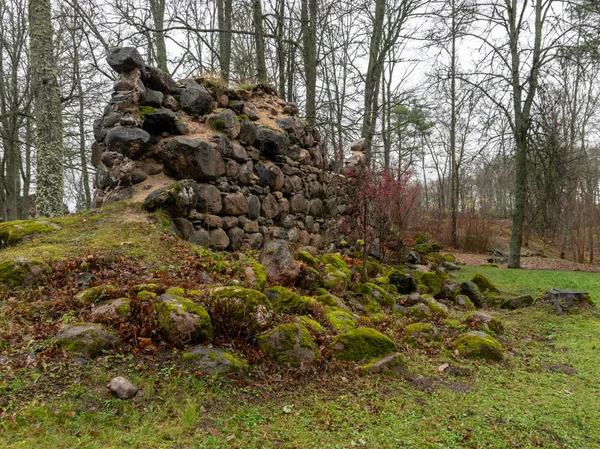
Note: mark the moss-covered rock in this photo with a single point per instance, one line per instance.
(464, 302)
(449, 258)
(183, 321)
(420, 311)
(478, 345)
(310, 323)
(213, 361)
(111, 311)
(420, 331)
(484, 284)
(334, 279)
(152, 288)
(256, 273)
(391, 365)
(437, 308)
(331, 300)
(360, 344)
(96, 294)
(13, 232)
(471, 290)
(364, 304)
(484, 321)
(290, 343)
(336, 261)
(517, 303)
(238, 311)
(175, 291)
(340, 321)
(284, 300)
(86, 339)
(23, 272)
(308, 259)
(404, 283)
(432, 281)
(375, 292)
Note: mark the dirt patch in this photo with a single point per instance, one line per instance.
(459, 387)
(426, 384)
(143, 189)
(562, 368)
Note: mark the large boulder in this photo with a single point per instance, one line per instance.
(471, 290)
(23, 272)
(484, 284)
(281, 267)
(183, 321)
(195, 99)
(271, 144)
(362, 343)
(192, 158)
(125, 59)
(178, 199)
(86, 339)
(290, 343)
(238, 311)
(213, 361)
(235, 204)
(158, 80)
(131, 142)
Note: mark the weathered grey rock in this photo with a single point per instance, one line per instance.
(276, 178)
(471, 290)
(159, 120)
(236, 238)
(390, 365)
(184, 227)
(271, 144)
(209, 199)
(177, 199)
(225, 122)
(299, 204)
(270, 207)
(214, 361)
(255, 240)
(152, 98)
(254, 207)
(200, 237)
(248, 132)
(86, 339)
(290, 343)
(219, 240)
(22, 271)
(183, 321)
(112, 311)
(230, 222)
(235, 204)
(315, 207)
(195, 99)
(160, 81)
(213, 221)
(125, 59)
(129, 141)
(122, 388)
(238, 152)
(191, 158)
(246, 173)
(281, 267)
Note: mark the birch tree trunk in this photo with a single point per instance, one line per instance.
(46, 92)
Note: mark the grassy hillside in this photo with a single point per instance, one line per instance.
(544, 394)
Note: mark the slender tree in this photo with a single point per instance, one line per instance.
(46, 92)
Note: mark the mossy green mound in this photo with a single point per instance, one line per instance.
(310, 323)
(183, 321)
(213, 361)
(375, 292)
(308, 259)
(340, 321)
(238, 311)
(437, 309)
(336, 261)
(256, 273)
(432, 281)
(484, 284)
(284, 300)
(86, 339)
(420, 311)
(13, 232)
(96, 294)
(290, 343)
(449, 258)
(362, 343)
(418, 330)
(16, 273)
(478, 345)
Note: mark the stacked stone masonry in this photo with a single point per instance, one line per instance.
(233, 168)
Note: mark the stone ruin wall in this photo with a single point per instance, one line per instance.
(235, 168)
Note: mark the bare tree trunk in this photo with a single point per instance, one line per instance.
(157, 7)
(281, 49)
(259, 37)
(85, 179)
(48, 114)
(224, 13)
(309, 51)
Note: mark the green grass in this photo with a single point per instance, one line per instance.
(535, 282)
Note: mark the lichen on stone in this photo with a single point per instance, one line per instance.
(360, 344)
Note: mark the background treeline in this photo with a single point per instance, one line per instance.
(490, 106)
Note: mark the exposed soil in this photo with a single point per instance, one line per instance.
(530, 263)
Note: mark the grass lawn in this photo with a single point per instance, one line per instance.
(546, 394)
